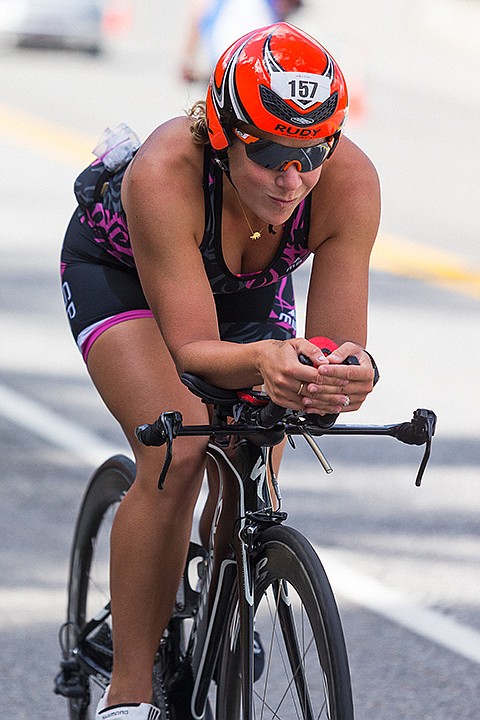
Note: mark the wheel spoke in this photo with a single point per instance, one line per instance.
(305, 672)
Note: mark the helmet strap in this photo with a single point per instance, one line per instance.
(222, 160)
(336, 138)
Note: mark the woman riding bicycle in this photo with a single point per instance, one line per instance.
(221, 207)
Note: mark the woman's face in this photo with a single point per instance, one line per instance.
(271, 194)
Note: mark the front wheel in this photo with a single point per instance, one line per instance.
(88, 587)
(301, 665)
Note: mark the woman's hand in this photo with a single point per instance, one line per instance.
(357, 381)
(324, 388)
(287, 380)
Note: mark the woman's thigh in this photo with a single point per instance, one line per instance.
(135, 375)
(99, 290)
(125, 353)
(137, 378)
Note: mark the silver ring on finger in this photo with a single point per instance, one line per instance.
(347, 401)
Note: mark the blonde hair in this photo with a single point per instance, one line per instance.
(198, 127)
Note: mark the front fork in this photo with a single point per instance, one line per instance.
(246, 605)
(246, 545)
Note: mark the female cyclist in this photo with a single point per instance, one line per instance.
(181, 260)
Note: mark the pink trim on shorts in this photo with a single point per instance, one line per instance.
(100, 328)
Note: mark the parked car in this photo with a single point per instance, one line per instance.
(76, 24)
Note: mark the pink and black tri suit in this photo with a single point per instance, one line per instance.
(101, 286)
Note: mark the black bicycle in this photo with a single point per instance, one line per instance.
(255, 632)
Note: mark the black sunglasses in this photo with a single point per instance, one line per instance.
(273, 156)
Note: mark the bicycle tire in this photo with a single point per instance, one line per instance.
(306, 673)
(104, 492)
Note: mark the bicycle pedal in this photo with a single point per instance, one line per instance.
(67, 682)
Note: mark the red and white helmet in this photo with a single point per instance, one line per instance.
(280, 80)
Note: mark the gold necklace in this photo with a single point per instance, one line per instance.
(254, 234)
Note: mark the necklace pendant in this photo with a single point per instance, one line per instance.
(255, 235)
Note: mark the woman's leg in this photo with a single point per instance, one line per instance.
(136, 378)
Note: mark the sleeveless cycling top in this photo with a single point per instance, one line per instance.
(98, 194)
(292, 250)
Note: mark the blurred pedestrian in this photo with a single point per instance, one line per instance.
(213, 25)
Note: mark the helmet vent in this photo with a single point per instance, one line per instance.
(280, 109)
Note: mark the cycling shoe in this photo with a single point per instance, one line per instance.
(130, 711)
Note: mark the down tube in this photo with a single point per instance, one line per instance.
(209, 628)
(249, 472)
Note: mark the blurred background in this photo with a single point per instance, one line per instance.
(70, 68)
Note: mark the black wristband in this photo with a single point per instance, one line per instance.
(376, 374)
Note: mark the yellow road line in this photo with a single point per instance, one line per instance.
(46, 137)
(404, 257)
(391, 254)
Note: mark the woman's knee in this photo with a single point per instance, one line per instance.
(185, 472)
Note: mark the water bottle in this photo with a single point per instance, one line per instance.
(116, 147)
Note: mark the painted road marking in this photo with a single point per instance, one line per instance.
(31, 606)
(20, 605)
(46, 137)
(400, 256)
(86, 447)
(371, 594)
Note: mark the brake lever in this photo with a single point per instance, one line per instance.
(425, 422)
(171, 423)
(300, 422)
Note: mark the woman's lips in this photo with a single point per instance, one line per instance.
(282, 202)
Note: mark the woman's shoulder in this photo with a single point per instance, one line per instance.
(168, 161)
(169, 150)
(349, 178)
(347, 197)
(351, 168)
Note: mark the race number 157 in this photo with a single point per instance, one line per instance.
(303, 88)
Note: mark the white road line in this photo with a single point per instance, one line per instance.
(346, 581)
(54, 428)
(372, 595)
(31, 606)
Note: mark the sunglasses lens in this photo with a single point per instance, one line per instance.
(273, 156)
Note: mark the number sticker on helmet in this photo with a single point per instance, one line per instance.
(305, 89)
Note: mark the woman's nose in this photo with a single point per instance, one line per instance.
(289, 178)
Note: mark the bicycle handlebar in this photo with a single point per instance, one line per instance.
(268, 425)
(168, 424)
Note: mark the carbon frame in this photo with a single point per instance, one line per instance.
(249, 468)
